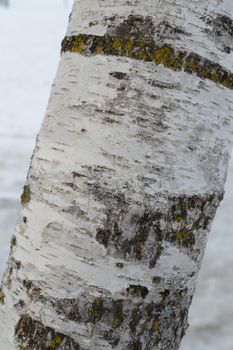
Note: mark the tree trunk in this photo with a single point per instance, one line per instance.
(127, 173)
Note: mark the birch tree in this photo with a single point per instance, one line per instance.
(128, 171)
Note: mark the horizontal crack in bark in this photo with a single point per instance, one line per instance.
(146, 50)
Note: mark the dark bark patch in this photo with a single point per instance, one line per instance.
(69, 308)
(111, 337)
(13, 241)
(33, 291)
(156, 279)
(32, 334)
(120, 265)
(180, 222)
(18, 264)
(137, 291)
(220, 30)
(135, 345)
(103, 236)
(133, 247)
(221, 24)
(118, 313)
(165, 293)
(97, 309)
(2, 297)
(136, 316)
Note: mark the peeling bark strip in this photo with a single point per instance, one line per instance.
(139, 48)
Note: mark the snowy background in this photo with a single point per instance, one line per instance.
(30, 36)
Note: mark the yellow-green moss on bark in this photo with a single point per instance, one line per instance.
(26, 195)
(43, 337)
(138, 48)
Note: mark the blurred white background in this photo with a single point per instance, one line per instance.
(30, 36)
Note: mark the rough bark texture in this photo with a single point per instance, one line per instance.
(128, 171)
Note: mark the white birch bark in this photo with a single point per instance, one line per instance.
(127, 173)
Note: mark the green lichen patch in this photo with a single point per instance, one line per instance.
(32, 334)
(169, 58)
(118, 313)
(185, 238)
(192, 63)
(191, 214)
(156, 326)
(180, 210)
(96, 310)
(57, 341)
(26, 195)
(137, 291)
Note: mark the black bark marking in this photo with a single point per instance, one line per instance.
(119, 75)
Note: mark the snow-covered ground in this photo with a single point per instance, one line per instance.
(30, 36)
